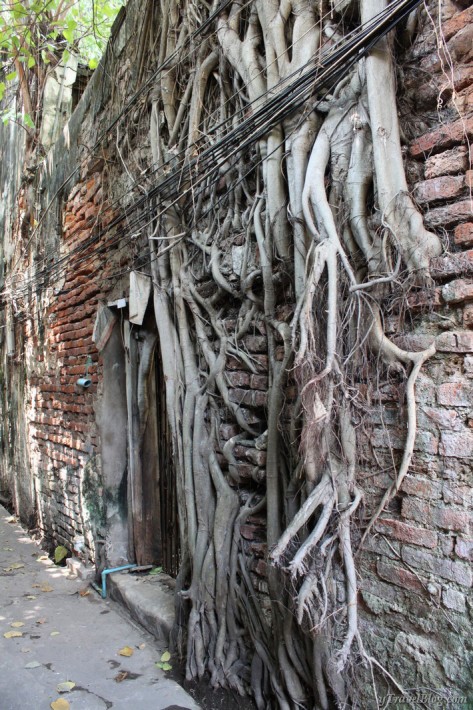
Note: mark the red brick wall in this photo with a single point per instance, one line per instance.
(416, 576)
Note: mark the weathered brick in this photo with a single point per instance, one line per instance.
(414, 342)
(447, 163)
(399, 576)
(445, 518)
(249, 398)
(425, 441)
(454, 571)
(380, 546)
(458, 291)
(449, 215)
(238, 379)
(455, 394)
(464, 548)
(452, 264)
(460, 341)
(407, 533)
(421, 487)
(259, 382)
(463, 234)
(468, 315)
(227, 431)
(457, 23)
(456, 444)
(443, 418)
(256, 343)
(454, 600)
(452, 519)
(426, 298)
(439, 188)
(444, 137)
(254, 455)
(457, 494)
(425, 388)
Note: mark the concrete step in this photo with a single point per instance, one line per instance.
(148, 598)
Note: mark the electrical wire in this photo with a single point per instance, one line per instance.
(332, 65)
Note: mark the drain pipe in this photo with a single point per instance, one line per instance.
(109, 571)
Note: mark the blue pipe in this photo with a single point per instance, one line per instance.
(109, 571)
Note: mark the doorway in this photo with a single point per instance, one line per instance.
(153, 528)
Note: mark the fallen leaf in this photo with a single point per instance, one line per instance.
(36, 586)
(60, 704)
(121, 676)
(14, 566)
(65, 687)
(166, 667)
(165, 657)
(84, 592)
(142, 646)
(60, 553)
(11, 519)
(17, 624)
(41, 621)
(126, 651)
(30, 596)
(46, 588)
(33, 664)
(7, 549)
(42, 558)
(54, 633)
(13, 634)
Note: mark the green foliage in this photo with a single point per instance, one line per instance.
(164, 662)
(60, 553)
(38, 35)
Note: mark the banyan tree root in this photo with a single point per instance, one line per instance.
(300, 205)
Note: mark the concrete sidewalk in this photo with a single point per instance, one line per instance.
(68, 633)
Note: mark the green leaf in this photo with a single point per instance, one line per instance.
(165, 657)
(60, 552)
(93, 63)
(11, 76)
(31, 62)
(68, 35)
(166, 667)
(2, 89)
(27, 120)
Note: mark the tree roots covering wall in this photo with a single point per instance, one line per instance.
(312, 212)
(272, 212)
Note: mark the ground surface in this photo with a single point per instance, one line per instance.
(68, 633)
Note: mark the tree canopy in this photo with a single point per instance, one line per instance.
(38, 35)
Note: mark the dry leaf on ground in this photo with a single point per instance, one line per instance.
(33, 664)
(46, 588)
(17, 624)
(65, 687)
(60, 704)
(126, 651)
(121, 676)
(13, 634)
(54, 633)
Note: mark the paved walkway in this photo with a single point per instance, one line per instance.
(63, 631)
